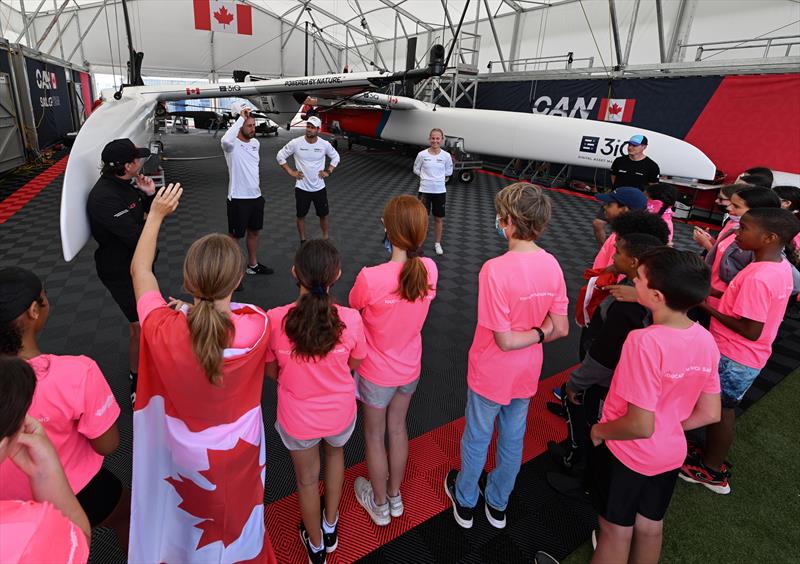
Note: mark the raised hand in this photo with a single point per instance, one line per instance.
(166, 200)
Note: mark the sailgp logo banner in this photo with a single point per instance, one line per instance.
(49, 90)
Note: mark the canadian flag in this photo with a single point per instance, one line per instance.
(616, 109)
(223, 15)
(198, 449)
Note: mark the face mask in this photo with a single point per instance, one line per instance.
(387, 244)
(500, 230)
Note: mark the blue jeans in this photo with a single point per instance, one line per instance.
(481, 414)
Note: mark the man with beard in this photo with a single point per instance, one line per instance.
(309, 154)
(245, 202)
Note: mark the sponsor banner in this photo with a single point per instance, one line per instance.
(48, 87)
(666, 105)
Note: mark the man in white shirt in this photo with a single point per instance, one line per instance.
(433, 166)
(309, 154)
(245, 202)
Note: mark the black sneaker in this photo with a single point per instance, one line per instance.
(313, 556)
(259, 269)
(463, 515)
(557, 409)
(329, 540)
(496, 517)
(134, 378)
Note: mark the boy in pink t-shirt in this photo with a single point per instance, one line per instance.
(72, 401)
(313, 346)
(522, 302)
(744, 326)
(666, 382)
(394, 299)
(52, 527)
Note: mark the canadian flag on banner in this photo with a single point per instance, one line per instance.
(616, 109)
(223, 15)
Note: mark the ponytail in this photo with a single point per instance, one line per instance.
(313, 325)
(212, 332)
(406, 222)
(212, 269)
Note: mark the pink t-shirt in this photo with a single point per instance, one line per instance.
(392, 325)
(516, 292)
(605, 256)
(316, 398)
(653, 206)
(722, 245)
(663, 370)
(74, 404)
(247, 328)
(33, 533)
(759, 292)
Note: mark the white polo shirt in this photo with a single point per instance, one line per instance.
(432, 170)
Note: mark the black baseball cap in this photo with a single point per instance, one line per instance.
(19, 288)
(121, 151)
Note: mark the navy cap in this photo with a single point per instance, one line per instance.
(628, 196)
(637, 140)
(121, 151)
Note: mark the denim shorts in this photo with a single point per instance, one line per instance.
(380, 396)
(734, 380)
(302, 444)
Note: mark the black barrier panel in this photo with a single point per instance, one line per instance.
(667, 105)
(5, 62)
(47, 84)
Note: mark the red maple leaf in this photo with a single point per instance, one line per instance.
(223, 16)
(236, 475)
(615, 109)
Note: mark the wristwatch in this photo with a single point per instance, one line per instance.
(540, 332)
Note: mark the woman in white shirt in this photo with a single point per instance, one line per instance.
(433, 165)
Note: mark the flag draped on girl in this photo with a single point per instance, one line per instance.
(198, 449)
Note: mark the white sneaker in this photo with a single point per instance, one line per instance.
(378, 513)
(594, 539)
(438, 248)
(396, 507)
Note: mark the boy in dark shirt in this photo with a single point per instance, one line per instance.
(601, 346)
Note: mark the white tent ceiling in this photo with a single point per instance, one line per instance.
(164, 30)
(361, 31)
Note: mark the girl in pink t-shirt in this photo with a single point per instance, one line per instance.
(522, 302)
(313, 346)
(394, 299)
(51, 526)
(703, 237)
(725, 258)
(72, 401)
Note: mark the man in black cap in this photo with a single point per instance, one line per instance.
(117, 206)
(634, 169)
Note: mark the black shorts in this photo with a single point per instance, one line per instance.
(618, 493)
(245, 215)
(100, 496)
(121, 290)
(433, 202)
(303, 200)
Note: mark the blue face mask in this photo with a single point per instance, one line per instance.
(500, 230)
(387, 244)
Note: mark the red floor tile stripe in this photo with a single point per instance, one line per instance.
(28, 191)
(430, 457)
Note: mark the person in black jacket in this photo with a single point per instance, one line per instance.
(117, 207)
